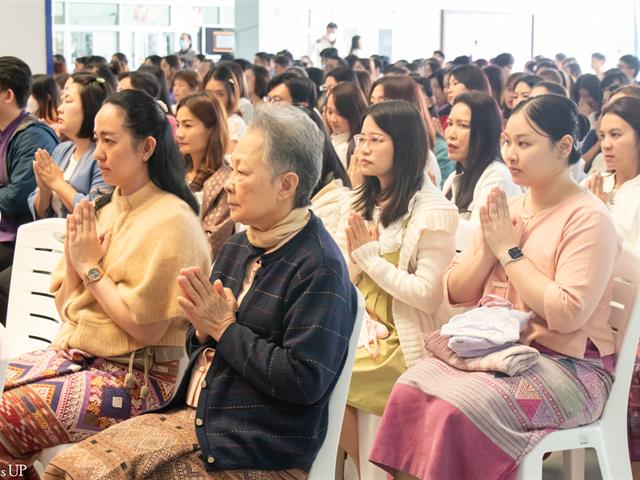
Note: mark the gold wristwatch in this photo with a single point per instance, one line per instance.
(93, 274)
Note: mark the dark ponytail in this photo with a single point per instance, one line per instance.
(555, 116)
(144, 118)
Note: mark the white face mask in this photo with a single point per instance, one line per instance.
(32, 105)
(331, 37)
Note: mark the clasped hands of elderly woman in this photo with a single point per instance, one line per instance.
(209, 308)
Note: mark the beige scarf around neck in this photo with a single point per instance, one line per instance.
(292, 223)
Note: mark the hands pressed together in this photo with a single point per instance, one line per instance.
(48, 174)
(83, 247)
(209, 308)
(595, 184)
(500, 232)
(358, 234)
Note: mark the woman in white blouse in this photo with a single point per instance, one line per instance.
(620, 144)
(473, 142)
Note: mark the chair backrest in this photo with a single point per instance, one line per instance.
(32, 317)
(625, 323)
(325, 463)
(464, 234)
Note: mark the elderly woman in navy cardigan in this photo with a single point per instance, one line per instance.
(269, 335)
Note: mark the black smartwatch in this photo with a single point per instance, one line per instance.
(513, 255)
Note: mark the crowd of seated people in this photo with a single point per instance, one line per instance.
(234, 211)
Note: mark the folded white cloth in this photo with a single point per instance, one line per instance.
(473, 346)
(489, 327)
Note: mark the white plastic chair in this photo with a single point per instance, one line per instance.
(323, 467)
(464, 234)
(608, 435)
(32, 317)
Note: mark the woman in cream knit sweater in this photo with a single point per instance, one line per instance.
(122, 333)
(398, 234)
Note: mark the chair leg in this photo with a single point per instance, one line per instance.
(614, 461)
(530, 467)
(573, 464)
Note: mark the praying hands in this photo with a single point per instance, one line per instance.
(500, 232)
(209, 308)
(48, 174)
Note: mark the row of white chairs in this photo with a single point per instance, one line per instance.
(32, 322)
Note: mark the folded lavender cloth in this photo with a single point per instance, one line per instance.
(511, 360)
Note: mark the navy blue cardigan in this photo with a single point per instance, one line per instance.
(264, 403)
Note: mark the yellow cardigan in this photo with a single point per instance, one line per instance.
(154, 235)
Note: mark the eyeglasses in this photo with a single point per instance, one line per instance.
(373, 140)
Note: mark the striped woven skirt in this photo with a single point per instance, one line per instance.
(443, 423)
(50, 399)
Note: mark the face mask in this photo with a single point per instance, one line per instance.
(32, 105)
(331, 37)
(184, 44)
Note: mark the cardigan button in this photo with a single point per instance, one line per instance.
(203, 385)
(210, 459)
(199, 422)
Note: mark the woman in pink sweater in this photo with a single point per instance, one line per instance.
(550, 251)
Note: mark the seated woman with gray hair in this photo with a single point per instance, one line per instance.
(268, 338)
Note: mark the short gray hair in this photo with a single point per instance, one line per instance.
(293, 143)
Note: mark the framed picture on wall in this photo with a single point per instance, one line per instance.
(219, 40)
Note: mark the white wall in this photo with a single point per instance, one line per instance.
(22, 32)
(574, 27)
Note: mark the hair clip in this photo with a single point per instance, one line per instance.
(232, 81)
(163, 106)
(100, 80)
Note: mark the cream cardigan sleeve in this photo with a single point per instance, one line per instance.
(421, 289)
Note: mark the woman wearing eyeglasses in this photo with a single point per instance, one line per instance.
(292, 89)
(398, 238)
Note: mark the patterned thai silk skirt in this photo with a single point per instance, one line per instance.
(441, 422)
(51, 398)
(155, 446)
